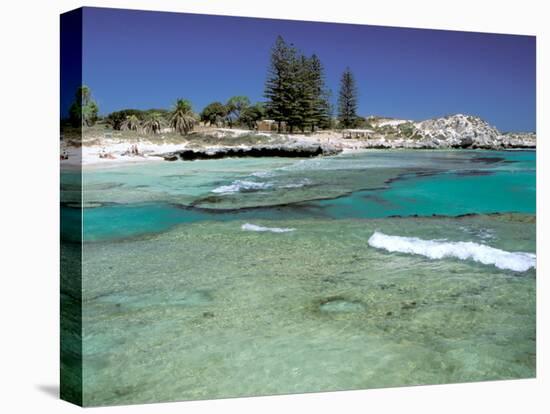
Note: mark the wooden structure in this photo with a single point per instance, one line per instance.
(357, 133)
(265, 125)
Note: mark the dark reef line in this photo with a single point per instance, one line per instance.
(300, 151)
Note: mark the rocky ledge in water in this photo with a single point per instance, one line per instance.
(282, 150)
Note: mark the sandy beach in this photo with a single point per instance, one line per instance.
(105, 148)
(101, 151)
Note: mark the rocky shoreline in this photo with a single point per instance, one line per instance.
(502, 142)
(282, 150)
(451, 132)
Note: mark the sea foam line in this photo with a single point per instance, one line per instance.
(254, 227)
(438, 249)
(241, 185)
(249, 186)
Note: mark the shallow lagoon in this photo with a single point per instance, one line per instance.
(133, 200)
(182, 302)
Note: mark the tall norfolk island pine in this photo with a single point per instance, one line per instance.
(295, 89)
(279, 82)
(347, 100)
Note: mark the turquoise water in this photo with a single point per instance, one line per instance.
(242, 277)
(147, 199)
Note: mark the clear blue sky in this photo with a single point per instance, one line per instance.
(137, 59)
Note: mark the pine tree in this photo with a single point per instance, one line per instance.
(304, 94)
(295, 89)
(321, 108)
(327, 110)
(347, 100)
(280, 85)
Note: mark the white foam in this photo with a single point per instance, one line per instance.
(254, 227)
(439, 249)
(241, 185)
(300, 183)
(262, 174)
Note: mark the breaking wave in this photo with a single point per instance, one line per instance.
(241, 186)
(298, 184)
(439, 249)
(254, 227)
(244, 186)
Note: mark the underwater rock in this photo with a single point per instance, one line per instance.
(408, 305)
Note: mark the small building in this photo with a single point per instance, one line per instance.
(269, 125)
(266, 125)
(357, 133)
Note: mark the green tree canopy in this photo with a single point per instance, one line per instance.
(347, 100)
(251, 115)
(153, 123)
(214, 114)
(131, 123)
(235, 105)
(182, 118)
(295, 89)
(280, 82)
(84, 110)
(116, 118)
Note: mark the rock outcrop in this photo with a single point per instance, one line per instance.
(454, 131)
(282, 150)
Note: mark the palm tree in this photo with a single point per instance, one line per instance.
(131, 123)
(235, 106)
(182, 118)
(153, 124)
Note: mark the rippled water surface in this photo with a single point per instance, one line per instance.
(243, 277)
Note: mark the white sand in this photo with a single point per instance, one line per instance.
(119, 150)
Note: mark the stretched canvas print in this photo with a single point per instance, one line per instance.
(256, 207)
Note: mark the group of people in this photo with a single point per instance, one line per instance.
(105, 154)
(133, 150)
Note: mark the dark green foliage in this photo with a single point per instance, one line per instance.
(131, 123)
(235, 106)
(361, 122)
(214, 114)
(295, 89)
(182, 118)
(280, 82)
(347, 100)
(115, 119)
(321, 110)
(326, 120)
(84, 110)
(251, 115)
(153, 123)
